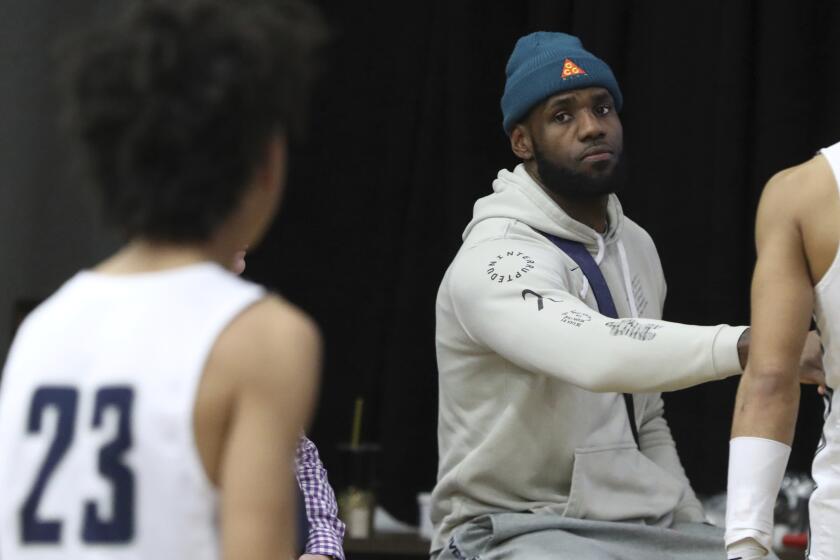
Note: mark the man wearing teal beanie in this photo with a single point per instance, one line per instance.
(543, 64)
(551, 349)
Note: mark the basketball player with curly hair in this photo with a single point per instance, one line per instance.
(150, 407)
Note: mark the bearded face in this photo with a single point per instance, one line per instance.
(575, 140)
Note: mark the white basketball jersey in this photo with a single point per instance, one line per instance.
(827, 297)
(97, 450)
(825, 501)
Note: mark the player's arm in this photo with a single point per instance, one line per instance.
(768, 395)
(275, 351)
(510, 296)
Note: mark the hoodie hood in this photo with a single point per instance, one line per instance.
(517, 196)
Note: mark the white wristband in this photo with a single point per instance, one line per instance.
(746, 549)
(756, 469)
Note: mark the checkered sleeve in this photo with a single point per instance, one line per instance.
(326, 531)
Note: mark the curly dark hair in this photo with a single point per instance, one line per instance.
(175, 105)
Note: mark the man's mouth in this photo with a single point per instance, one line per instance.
(599, 153)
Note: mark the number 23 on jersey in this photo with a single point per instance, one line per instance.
(97, 527)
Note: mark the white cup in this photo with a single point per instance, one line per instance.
(424, 500)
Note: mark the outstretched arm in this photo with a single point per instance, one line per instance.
(514, 297)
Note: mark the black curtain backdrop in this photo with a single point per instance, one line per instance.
(406, 134)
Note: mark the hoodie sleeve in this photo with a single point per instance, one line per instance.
(511, 296)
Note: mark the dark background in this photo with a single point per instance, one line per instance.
(406, 133)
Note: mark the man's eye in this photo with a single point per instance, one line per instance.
(603, 110)
(562, 117)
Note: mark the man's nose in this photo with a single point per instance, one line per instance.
(590, 126)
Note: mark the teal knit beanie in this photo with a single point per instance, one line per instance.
(543, 64)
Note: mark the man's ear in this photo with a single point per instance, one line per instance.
(520, 143)
(271, 174)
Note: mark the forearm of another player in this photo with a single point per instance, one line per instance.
(767, 404)
(765, 416)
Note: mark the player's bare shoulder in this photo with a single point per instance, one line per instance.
(272, 337)
(805, 197)
(802, 188)
(272, 350)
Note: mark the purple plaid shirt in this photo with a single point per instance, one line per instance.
(326, 531)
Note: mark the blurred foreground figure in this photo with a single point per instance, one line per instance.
(148, 406)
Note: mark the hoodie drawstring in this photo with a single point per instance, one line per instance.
(601, 248)
(598, 258)
(625, 271)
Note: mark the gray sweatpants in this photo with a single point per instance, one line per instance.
(530, 536)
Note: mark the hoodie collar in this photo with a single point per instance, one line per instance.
(516, 195)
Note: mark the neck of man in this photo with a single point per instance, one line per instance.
(588, 210)
(242, 228)
(145, 255)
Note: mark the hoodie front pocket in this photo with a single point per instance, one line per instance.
(620, 484)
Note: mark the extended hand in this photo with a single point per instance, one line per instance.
(810, 364)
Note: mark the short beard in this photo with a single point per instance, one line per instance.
(572, 184)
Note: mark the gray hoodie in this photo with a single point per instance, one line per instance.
(531, 414)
